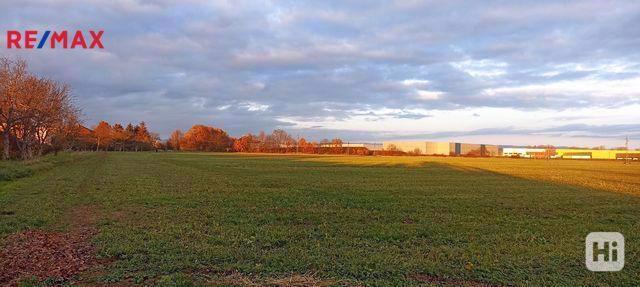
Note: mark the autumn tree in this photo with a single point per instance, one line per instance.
(260, 142)
(142, 138)
(13, 76)
(130, 138)
(301, 144)
(280, 140)
(243, 143)
(205, 138)
(33, 110)
(119, 136)
(130, 132)
(336, 146)
(175, 139)
(155, 142)
(306, 147)
(103, 134)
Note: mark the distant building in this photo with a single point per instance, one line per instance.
(568, 153)
(442, 148)
(466, 149)
(628, 155)
(577, 155)
(369, 146)
(437, 148)
(522, 152)
(419, 147)
(596, 153)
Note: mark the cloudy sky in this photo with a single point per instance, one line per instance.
(506, 72)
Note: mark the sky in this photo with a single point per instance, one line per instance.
(498, 72)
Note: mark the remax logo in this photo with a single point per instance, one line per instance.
(33, 39)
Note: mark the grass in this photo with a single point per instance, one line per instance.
(11, 170)
(190, 218)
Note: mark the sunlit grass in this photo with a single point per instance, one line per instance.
(608, 175)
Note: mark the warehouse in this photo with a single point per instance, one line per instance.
(485, 150)
(419, 147)
(523, 152)
(594, 153)
(443, 148)
(466, 149)
(437, 148)
(369, 146)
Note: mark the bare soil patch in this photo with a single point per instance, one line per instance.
(57, 256)
(45, 255)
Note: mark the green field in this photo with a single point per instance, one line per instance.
(232, 219)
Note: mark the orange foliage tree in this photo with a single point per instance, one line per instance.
(119, 136)
(307, 147)
(103, 134)
(242, 144)
(205, 138)
(175, 139)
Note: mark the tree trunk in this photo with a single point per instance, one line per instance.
(7, 148)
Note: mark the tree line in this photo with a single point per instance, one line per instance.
(120, 138)
(106, 137)
(38, 115)
(205, 138)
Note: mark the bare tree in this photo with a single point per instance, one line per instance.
(33, 110)
(12, 78)
(174, 141)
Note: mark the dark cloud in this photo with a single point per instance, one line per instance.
(246, 65)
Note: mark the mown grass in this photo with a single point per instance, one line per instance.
(12, 169)
(175, 218)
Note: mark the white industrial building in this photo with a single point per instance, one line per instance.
(369, 146)
(521, 152)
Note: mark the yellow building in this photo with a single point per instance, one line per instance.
(593, 153)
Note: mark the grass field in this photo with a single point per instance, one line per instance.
(230, 219)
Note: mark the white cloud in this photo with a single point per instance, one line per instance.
(254, 107)
(418, 88)
(578, 89)
(415, 82)
(481, 68)
(428, 95)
